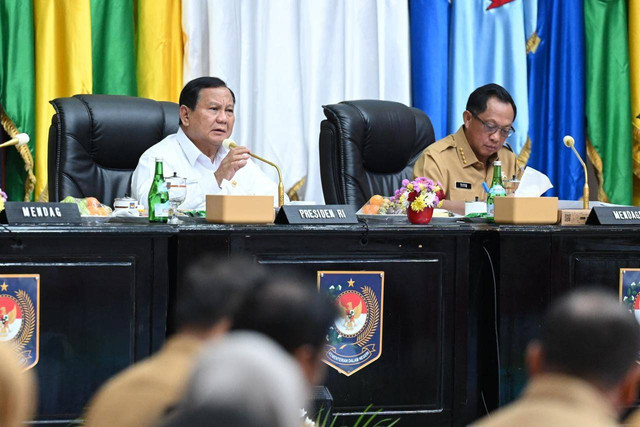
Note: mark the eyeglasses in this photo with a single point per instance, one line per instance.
(491, 129)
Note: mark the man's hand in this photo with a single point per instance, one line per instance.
(455, 206)
(235, 159)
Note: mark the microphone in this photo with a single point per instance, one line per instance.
(570, 142)
(229, 144)
(18, 140)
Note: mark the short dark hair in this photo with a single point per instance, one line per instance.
(477, 102)
(191, 91)
(288, 310)
(589, 334)
(212, 289)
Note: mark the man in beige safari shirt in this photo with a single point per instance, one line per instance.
(461, 162)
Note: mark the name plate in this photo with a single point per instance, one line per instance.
(24, 213)
(316, 214)
(610, 215)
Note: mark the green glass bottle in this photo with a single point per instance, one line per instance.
(158, 196)
(496, 190)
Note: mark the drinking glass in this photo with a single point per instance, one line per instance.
(177, 188)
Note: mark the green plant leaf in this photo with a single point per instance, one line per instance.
(361, 417)
(381, 422)
(375, 414)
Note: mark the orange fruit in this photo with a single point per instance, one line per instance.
(93, 210)
(376, 200)
(370, 209)
(92, 201)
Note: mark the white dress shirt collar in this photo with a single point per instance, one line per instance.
(193, 153)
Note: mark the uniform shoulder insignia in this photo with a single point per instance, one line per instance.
(443, 145)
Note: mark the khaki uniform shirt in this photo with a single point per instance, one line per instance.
(555, 400)
(141, 394)
(452, 162)
(633, 419)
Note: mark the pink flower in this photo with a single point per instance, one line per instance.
(430, 194)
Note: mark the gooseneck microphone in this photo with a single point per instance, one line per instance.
(570, 142)
(228, 144)
(18, 140)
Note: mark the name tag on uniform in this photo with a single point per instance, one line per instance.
(463, 185)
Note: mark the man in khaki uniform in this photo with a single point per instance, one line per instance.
(462, 161)
(583, 369)
(211, 293)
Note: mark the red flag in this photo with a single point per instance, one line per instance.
(498, 3)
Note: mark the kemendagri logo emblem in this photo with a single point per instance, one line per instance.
(355, 338)
(19, 316)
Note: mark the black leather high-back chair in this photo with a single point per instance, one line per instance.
(368, 147)
(95, 142)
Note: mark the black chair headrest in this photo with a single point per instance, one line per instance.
(384, 132)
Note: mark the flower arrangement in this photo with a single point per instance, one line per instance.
(419, 194)
(3, 198)
(419, 197)
(416, 196)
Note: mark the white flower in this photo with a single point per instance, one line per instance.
(339, 287)
(430, 199)
(339, 335)
(332, 287)
(307, 420)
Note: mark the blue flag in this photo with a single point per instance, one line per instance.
(557, 96)
(488, 45)
(430, 60)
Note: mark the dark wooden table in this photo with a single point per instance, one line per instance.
(427, 373)
(537, 264)
(107, 294)
(103, 303)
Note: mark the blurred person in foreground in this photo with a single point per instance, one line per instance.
(211, 292)
(280, 327)
(583, 369)
(295, 315)
(246, 380)
(17, 388)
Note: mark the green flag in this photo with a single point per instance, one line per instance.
(608, 100)
(17, 90)
(113, 47)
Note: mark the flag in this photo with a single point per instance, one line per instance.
(17, 94)
(429, 24)
(160, 50)
(113, 47)
(63, 67)
(608, 100)
(634, 69)
(556, 96)
(195, 26)
(488, 45)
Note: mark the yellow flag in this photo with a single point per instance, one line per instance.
(160, 49)
(634, 69)
(63, 67)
